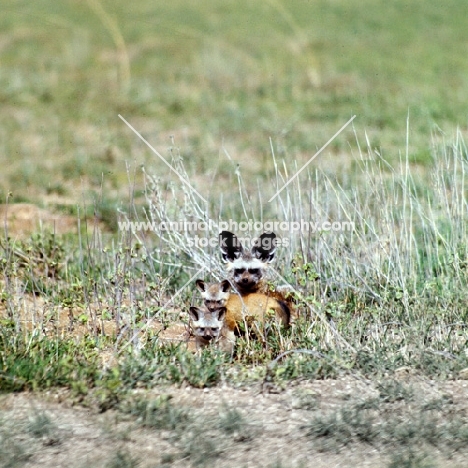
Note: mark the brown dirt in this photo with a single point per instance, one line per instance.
(87, 438)
(33, 312)
(22, 219)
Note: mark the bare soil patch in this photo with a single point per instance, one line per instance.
(20, 220)
(273, 431)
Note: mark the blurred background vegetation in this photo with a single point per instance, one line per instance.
(215, 77)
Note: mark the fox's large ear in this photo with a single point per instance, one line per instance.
(230, 246)
(225, 285)
(196, 313)
(200, 285)
(221, 313)
(265, 246)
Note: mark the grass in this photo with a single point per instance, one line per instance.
(158, 414)
(387, 296)
(405, 428)
(199, 438)
(295, 73)
(237, 97)
(392, 297)
(122, 460)
(20, 438)
(41, 425)
(14, 453)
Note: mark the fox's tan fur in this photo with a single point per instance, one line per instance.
(252, 308)
(241, 309)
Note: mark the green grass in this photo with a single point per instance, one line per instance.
(158, 414)
(393, 296)
(14, 453)
(122, 460)
(41, 425)
(404, 428)
(237, 96)
(216, 72)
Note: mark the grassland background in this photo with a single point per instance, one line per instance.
(214, 74)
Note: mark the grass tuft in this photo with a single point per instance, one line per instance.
(122, 459)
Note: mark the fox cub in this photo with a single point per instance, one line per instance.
(208, 327)
(246, 271)
(214, 295)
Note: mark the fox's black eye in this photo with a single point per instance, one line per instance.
(254, 271)
(239, 271)
(214, 330)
